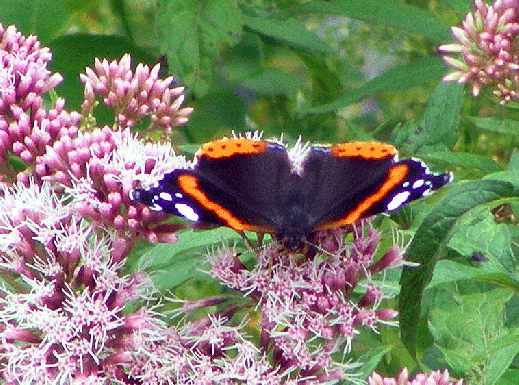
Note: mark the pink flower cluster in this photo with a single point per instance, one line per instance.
(98, 169)
(63, 321)
(487, 41)
(203, 352)
(133, 95)
(97, 166)
(66, 310)
(434, 378)
(67, 226)
(308, 306)
(26, 128)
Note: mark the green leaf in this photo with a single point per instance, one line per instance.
(371, 359)
(398, 78)
(469, 331)
(513, 164)
(437, 129)
(462, 6)
(510, 175)
(478, 231)
(174, 263)
(501, 126)
(441, 117)
(290, 31)
(499, 359)
(428, 240)
(449, 271)
(458, 361)
(465, 159)
(193, 33)
(45, 19)
(274, 81)
(388, 13)
(510, 377)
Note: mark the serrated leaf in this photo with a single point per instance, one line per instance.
(371, 359)
(456, 360)
(469, 332)
(193, 32)
(291, 31)
(501, 126)
(491, 272)
(500, 359)
(465, 159)
(442, 114)
(398, 78)
(495, 241)
(388, 13)
(428, 239)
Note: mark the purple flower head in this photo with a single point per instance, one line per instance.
(98, 170)
(60, 320)
(208, 351)
(63, 321)
(313, 307)
(23, 70)
(434, 378)
(133, 95)
(26, 128)
(487, 42)
(98, 167)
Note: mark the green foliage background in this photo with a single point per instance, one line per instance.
(333, 71)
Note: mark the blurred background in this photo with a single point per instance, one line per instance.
(329, 71)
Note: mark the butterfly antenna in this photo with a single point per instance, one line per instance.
(258, 246)
(317, 247)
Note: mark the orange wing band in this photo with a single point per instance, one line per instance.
(225, 148)
(367, 150)
(189, 185)
(396, 175)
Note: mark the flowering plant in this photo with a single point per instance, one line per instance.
(69, 225)
(98, 289)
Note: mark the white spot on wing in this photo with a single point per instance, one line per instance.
(450, 177)
(187, 211)
(398, 200)
(166, 196)
(179, 195)
(419, 183)
(156, 207)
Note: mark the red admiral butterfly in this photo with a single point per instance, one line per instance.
(253, 185)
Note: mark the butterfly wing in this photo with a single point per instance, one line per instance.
(235, 183)
(346, 182)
